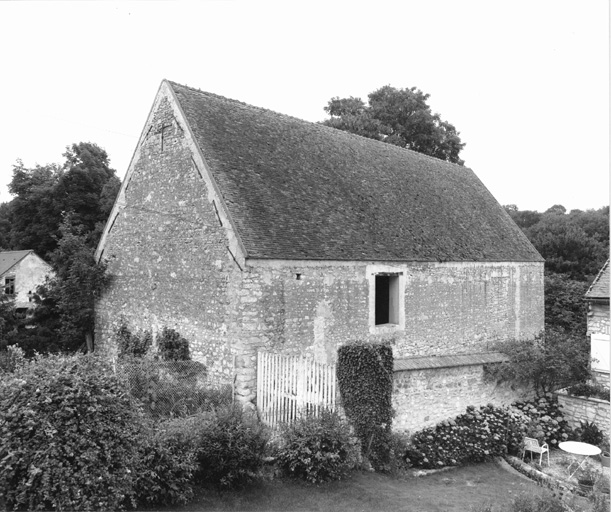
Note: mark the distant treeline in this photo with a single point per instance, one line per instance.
(575, 246)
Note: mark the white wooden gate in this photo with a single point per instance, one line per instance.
(288, 386)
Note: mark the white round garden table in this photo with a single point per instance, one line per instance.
(576, 449)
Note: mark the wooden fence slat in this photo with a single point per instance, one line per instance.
(289, 386)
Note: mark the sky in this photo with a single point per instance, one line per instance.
(525, 82)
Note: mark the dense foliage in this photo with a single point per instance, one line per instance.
(131, 344)
(167, 466)
(545, 419)
(230, 448)
(473, 436)
(575, 246)
(70, 436)
(589, 390)
(318, 448)
(397, 116)
(551, 361)
(365, 377)
(84, 186)
(172, 346)
(588, 432)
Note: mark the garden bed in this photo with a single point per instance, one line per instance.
(556, 475)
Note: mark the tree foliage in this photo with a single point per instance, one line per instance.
(397, 116)
(84, 186)
(575, 246)
(554, 360)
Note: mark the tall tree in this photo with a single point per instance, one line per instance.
(87, 187)
(84, 185)
(33, 214)
(397, 116)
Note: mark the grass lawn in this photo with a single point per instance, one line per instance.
(457, 489)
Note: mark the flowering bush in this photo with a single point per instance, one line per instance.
(470, 437)
(546, 421)
(318, 448)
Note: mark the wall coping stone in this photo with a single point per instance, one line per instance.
(447, 361)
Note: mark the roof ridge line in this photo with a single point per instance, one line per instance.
(314, 123)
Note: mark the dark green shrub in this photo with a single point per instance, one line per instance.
(546, 419)
(172, 346)
(588, 432)
(473, 436)
(318, 448)
(588, 390)
(70, 436)
(230, 449)
(168, 463)
(399, 443)
(130, 344)
(553, 360)
(365, 378)
(537, 503)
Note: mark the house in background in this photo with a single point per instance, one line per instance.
(21, 272)
(597, 298)
(251, 231)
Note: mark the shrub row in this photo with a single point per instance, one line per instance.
(490, 431)
(72, 438)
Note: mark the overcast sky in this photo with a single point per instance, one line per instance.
(525, 82)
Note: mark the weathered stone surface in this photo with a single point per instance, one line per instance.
(176, 262)
(576, 409)
(423, 398)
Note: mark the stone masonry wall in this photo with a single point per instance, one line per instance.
(168, 256)
(450, 308)
(423, 398)
(598, 318)
(576, 409)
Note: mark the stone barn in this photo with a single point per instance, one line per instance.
(247, 230)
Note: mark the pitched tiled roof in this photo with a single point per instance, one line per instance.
(600, 287)
(301, 190)
(428, 362)
(8, 259)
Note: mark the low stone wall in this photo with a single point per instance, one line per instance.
(423, 398)
(577, 408)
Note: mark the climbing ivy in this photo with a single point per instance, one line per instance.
(365, 377)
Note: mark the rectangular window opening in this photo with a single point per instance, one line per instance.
(9, 286)
(387, 299)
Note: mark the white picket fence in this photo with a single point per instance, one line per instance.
(288, 386)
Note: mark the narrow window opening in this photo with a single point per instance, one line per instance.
(386, 299)
(298, 276)
(9, 286)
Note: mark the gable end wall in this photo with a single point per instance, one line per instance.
(167, 251)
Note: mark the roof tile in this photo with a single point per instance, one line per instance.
(300, 190)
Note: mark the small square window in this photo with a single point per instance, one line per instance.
(9, 286)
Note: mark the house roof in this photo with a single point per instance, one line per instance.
(429, 362)
(301, 190)
(8, 259)
(600, 287)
